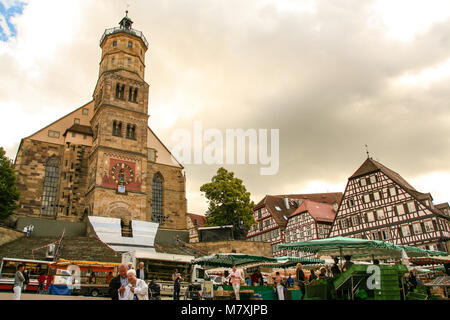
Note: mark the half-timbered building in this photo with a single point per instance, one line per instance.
(311, 220)
(272, 214)
(379, 204)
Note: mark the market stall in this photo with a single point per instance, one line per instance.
(241, 260)
(87, 277)
(351, 283)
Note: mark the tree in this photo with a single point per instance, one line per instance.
(9, 193)
(229, 202)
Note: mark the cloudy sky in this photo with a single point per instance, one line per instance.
(332, 76)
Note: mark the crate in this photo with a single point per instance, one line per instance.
(387, 294)
(416, 296)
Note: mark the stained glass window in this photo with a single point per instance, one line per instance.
(157, 198)
(50, 187)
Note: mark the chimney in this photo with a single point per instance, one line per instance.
(286, 203)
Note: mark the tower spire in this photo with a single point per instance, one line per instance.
(126, 22)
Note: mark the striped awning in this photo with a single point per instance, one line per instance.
(428, 261)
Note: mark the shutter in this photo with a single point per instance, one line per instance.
(400, 232)
(411, 229)
(395, 210)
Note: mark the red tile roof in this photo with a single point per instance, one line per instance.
(201, 219)
(281, 216)
(322, 212)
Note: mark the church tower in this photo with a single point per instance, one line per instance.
(118, 158)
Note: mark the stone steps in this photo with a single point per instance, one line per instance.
(80, 248)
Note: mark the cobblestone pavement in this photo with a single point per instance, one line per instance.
(32, 296)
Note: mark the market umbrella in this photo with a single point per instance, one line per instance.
(419, 252)
(359, 249)
(231, 259)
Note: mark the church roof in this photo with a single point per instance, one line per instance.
(79, 128)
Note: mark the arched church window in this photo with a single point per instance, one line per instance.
(51, 180)
(135, 94)
(117, 90)
(157, 198)
(122, 92)
(117, 128)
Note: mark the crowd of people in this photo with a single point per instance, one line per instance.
(28, 230)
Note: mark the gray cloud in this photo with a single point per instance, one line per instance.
(324, 79)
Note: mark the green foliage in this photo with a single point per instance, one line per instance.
(9, 193)
(229, 201)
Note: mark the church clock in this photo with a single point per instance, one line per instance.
(122, 174)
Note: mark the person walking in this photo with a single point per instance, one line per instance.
(313, 275)
(176, 278)
(236, 277)
(118, 284)
(41, 288)
(19, 279)
(335, 268)
(279, 286)
(26, 275)
(136, 289)
(300, 276)
(141, 273)
(348, 263)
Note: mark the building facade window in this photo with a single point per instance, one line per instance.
(157, 198)
(50, 187)
(117, 128)
(76, 121)
(53, 134)
(152, 155)
(400, 209)
(131, 131)
(85, 112)
(406, 231)
(120, 91)
(411, 206)
(380, 214)
(370, 216)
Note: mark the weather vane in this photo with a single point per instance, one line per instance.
(367, 151)
(126, 12)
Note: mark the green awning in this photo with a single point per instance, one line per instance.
(227, 260)
(359, 249)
